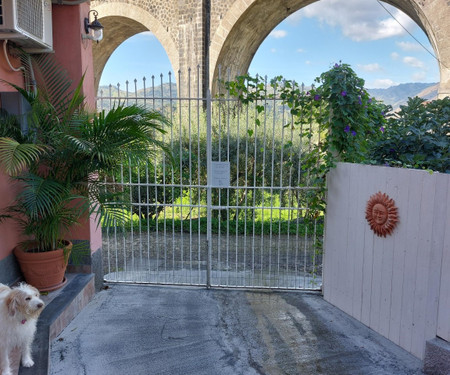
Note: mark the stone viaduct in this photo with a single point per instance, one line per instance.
(210, 34)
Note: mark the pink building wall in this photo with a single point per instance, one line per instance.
(9, 235)
(75, 54)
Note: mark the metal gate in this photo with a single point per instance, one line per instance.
(229, 210)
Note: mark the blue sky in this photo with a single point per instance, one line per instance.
(357, 32)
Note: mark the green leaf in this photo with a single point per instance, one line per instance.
(16, 157)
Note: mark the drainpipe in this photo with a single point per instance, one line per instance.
(207, 41)
(68, 2)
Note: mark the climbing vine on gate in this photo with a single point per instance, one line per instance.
(344, 117)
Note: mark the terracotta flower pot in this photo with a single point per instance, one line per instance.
(44, 270)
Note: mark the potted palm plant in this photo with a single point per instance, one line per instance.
(58, 163)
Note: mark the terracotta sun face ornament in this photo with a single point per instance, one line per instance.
(381, 214)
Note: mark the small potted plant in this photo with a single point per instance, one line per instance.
(58, 162)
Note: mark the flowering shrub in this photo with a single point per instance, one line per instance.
(339, 107)
(350, 115)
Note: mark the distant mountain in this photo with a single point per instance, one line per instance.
(153, 96)
(398, 95)
(395, 95)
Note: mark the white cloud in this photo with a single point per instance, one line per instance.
(300, 50)
(408, 46)
(395, 56)
(419, 76)
(277, 34)
(295, 18)
(413, 61)
(359, 20)
(273, 50)
(375, 67)
(383, 83)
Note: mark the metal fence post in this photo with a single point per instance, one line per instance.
(209, 189)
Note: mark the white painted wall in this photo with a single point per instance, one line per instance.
(400, 285)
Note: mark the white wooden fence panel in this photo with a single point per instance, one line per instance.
(409, 278)
(399, 258)
(387, 261)
(377, 246)
(437, 242)
(443, 328)
(372, 185)
(342, 275)
(394, 284)
(347, 237)
(424, 251)
(356, 221)
(340, 184)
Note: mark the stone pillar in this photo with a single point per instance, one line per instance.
(444, 85)
(435, 21)
(191, 48)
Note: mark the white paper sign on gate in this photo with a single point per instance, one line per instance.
(220, 173)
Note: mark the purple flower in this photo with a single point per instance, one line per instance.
(359, 100)
(347, 128)
(317, 97)
(382, 129)
(391, 150)
(308, 93)
(336, 65)
(370, 100)
(344, 93)
(353, 133)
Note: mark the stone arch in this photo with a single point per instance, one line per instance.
(247, 23)
(122, 21)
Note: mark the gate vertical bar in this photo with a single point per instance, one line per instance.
(208, 189)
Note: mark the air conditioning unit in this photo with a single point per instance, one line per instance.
(28, 23)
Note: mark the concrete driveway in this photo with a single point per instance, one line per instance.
(131, 329)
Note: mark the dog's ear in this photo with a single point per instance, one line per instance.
(12, 301)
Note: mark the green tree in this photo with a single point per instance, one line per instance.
(418, 136)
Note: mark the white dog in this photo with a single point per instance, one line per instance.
(19, 310)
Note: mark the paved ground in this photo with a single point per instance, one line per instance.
(278, 261)
(129, 329)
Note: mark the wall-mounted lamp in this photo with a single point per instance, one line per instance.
(94, 30)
